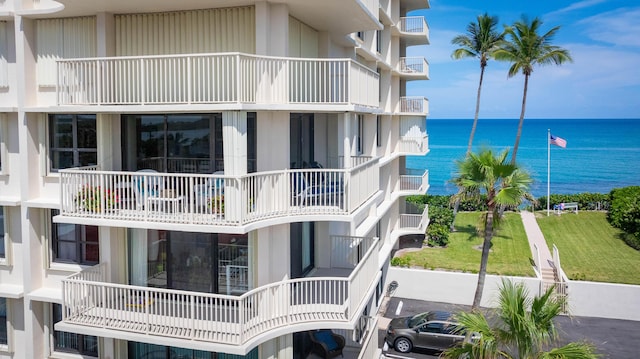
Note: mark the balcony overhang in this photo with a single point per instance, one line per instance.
(337, 17)
(204, 108)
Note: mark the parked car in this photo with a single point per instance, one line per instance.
(430, 330)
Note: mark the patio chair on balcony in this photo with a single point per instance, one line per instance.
(326, 343)
(210, 193)
(145, 187)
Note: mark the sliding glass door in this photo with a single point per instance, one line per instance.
(198, 262)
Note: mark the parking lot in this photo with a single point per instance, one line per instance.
(615, 339)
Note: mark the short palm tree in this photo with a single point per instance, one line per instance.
(525, 49)
(505, 186)
(480, 41)
(524, 329)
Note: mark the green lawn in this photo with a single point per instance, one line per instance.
(510, 254)
(590, 249)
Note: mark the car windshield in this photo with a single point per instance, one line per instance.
(417, 320)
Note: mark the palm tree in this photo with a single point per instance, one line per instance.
(526, 49)
(524, 325)
(480, 42)
(504, 184)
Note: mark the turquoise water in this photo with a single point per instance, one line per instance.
(601, 154)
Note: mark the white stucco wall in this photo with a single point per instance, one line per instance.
(587, 299)
(604, 300)
(449, 287)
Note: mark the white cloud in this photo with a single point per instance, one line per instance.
(619, 27)
(575, 6)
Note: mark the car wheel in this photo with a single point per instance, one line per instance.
(403, 345)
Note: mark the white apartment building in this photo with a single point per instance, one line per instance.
(203, 178)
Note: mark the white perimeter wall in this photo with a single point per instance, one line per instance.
(588, 299)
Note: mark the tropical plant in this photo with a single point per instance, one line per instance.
(91, 198)
(525, 49)
(216, 204)
(437, 235)
(520, 327)
(625, 213)
(505, 185)
(480, 41)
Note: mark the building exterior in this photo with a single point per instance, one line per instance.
(203, 179)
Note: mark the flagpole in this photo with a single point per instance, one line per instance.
(548, 168)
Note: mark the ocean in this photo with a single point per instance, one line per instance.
(601, 154)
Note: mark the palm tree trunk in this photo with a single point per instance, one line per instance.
(524, 103)
(456, 205)
(475, 118)
(486, 247)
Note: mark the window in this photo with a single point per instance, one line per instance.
(378, 131)
(360, 35)
(379, 41)
(197, 262)
(72, 141)
(3, 253)
(359, 145)
(3, 322)
(74, 243)
(71, 342)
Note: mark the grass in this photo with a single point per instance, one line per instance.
(590, 249)
(510, 254)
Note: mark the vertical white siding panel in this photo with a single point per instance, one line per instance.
(303, 39)
(62, 38)
(198, 31)
(4, 47)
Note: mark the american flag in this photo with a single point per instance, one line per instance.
(558, 141)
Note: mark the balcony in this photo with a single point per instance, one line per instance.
(411, 223)
(414, 184)
(143, 199)
(92, 305)
(414, 105)
(210, 79)
(413, 30)
(413, 68)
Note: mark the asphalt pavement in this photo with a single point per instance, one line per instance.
(613, 338)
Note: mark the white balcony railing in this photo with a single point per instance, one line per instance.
(414, 104)
(414, 183)
(415, 222)
(413, 66)
(90, 301)
(215, 199)
(221, 78)
(413, 25)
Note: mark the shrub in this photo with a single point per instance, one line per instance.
(440, 215)
(438, 235)
(625, 213)
(400, 261)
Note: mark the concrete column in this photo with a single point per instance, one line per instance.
(272, 29)
(347, 119)
(273, 142)
(234, 133)
(105, 29)
(109, 149)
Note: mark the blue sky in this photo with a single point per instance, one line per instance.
(603, 37)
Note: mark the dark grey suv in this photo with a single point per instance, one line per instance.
(431, 330)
